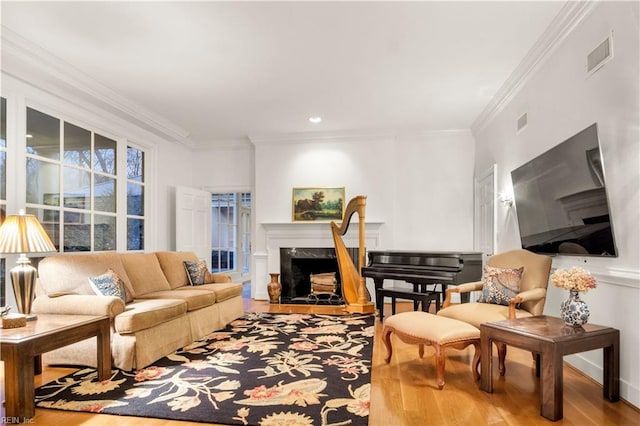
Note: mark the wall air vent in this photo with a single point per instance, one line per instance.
(599, 56)
(522, 121)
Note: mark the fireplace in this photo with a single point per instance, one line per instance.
(297, 265)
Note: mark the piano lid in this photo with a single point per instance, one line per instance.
(441, 259)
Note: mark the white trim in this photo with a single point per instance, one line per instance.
(596, 372)
(346, 136)
(18, 52)
(571, 14)
(21, 95)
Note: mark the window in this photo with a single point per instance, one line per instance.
(3, 186)
(230, 232)
(72, 184)
(3, 153)
(135, 199)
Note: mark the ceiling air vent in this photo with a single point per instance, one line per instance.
(522, 121)
(599, 56)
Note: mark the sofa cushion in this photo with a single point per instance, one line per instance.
(223, 291)
(69, 273)
(143, 314)
(195, 298)
(108, 284)
(144, 272)
(172, 266)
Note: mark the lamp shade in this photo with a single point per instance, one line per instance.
(22, 233)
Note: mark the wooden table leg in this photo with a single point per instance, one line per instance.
(486, 362)
(19, 388)
(551, 391)
(611, 379)
(37, 364)
(104, 351)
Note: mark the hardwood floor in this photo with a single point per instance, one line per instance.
(404, 392)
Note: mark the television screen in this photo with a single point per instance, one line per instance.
(561, 199)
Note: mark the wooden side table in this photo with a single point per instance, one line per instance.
(20, 349)
(551, 339)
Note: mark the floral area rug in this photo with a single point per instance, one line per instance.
(263, 369)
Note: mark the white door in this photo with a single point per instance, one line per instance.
(484, 212)
(193, 222)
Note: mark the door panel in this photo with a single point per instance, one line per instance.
(193, 222)
(484, 215)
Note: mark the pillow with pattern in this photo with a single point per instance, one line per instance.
(196, 271)
(500, 285)
(108, 284)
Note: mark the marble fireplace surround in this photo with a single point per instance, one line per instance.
(309, 235)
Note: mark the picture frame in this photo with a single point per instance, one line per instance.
(317, 204)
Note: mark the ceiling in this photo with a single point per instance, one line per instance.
(222, 72)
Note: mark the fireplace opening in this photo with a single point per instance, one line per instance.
(296, 267)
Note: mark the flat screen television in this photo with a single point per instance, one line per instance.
(561, 199)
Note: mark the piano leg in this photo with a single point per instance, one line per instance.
(464, 297)
(422, 289)
(377, 283)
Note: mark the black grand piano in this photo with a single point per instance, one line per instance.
(425, 271)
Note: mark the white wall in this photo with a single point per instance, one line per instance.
(561, 99)
(223, 169)
(174, 167)
(433, 202)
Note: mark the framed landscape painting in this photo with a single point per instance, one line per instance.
(317, 204)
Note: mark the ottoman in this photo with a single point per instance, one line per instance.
(423, 328)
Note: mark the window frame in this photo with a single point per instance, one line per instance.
(120, 183)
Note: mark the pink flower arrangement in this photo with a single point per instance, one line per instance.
(576, 279)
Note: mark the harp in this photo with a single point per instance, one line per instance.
(354, 290)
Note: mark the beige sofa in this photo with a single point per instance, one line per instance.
(162, 313)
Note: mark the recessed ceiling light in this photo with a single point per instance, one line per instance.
(28, 135)
(315, 119)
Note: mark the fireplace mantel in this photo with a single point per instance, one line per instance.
(311, 235)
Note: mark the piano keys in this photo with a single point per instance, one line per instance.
(422, 269)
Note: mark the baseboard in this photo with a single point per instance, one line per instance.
(628, 391)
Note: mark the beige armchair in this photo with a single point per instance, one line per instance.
(528, 302)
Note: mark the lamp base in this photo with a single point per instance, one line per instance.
(31, 317)
(23, 278)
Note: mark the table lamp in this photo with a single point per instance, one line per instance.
(22, 233)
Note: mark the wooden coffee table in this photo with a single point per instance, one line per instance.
(551, 339)
(20, 349)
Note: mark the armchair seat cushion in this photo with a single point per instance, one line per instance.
(143, 314)
(478, 313)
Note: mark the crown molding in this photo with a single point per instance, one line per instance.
(571, 14)
(353, 136)
(302, 137)
(21, 56)
(230, 144)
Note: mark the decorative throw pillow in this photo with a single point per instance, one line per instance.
(500, 285)
(108, 284)
(196, 271)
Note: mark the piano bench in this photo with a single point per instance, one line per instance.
(423, 328)
(424, 299)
